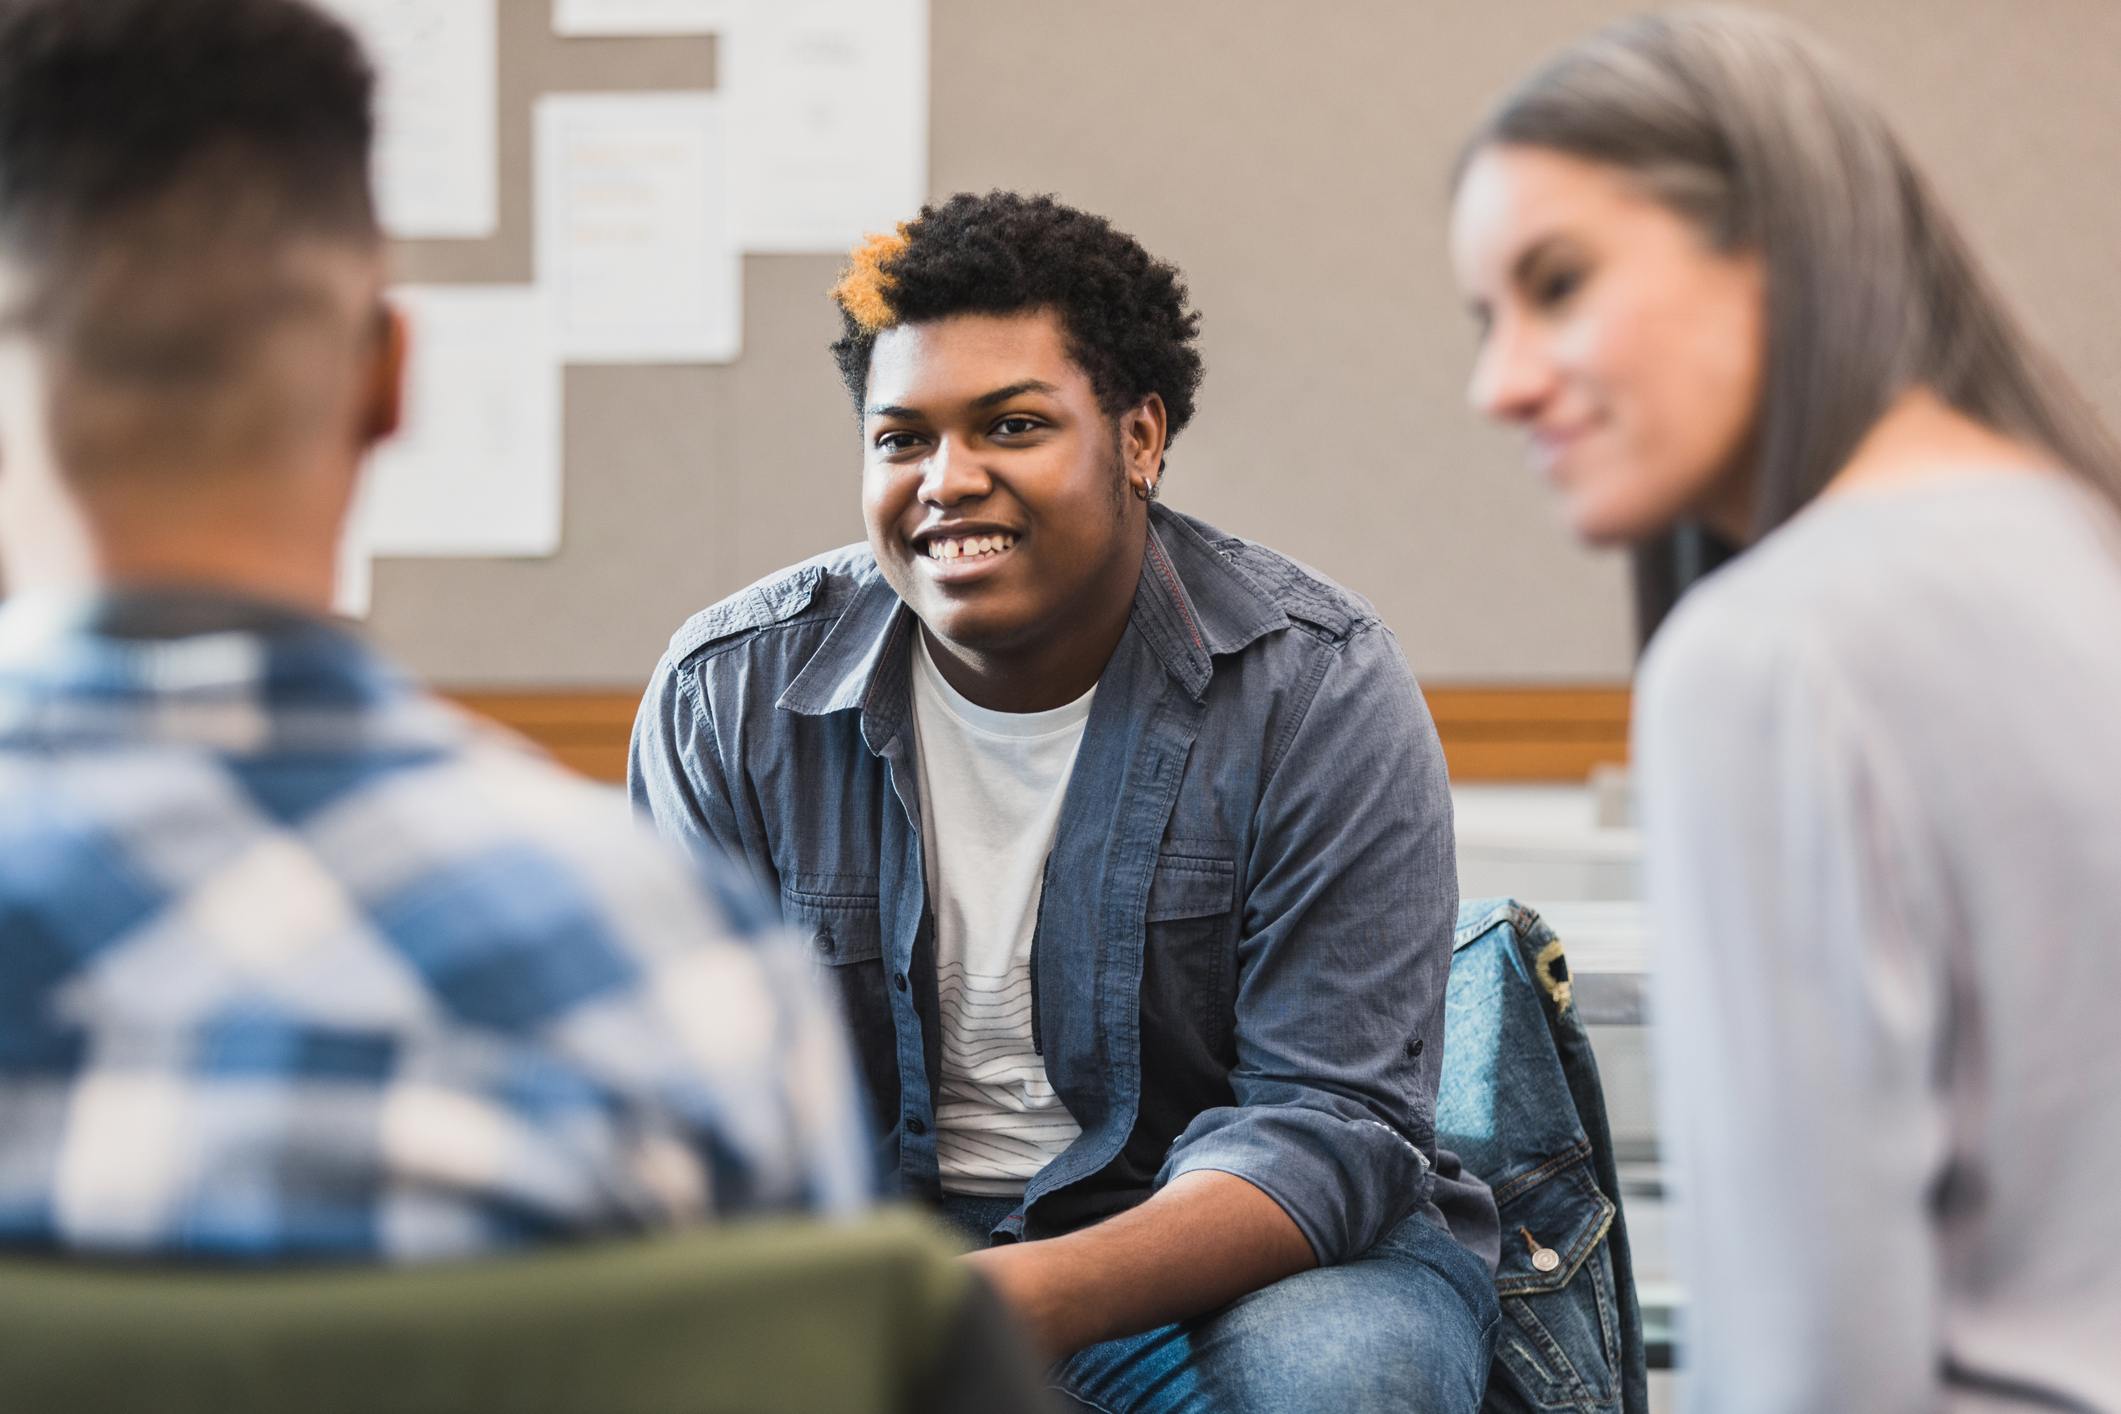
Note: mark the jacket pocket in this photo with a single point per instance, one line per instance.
(1190, 948)
(836, 914)
(1189, 885)
(1558, 1347)
(837, 917)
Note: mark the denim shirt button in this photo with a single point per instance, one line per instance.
(914, 1125)
(823, 940)
(1413, 1048)
(898, 980)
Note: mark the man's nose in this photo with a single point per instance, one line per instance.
(952, 473)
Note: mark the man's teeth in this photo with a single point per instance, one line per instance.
(967, 546)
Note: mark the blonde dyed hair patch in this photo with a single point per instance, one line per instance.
(865, 285)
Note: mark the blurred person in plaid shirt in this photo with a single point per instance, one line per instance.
(295, 960)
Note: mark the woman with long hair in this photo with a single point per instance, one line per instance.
(1879, 752)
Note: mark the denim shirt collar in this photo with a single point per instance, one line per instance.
(861, 663)
(1189, 605)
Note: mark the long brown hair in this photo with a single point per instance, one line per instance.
(1737, 121)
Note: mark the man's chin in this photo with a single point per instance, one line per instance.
(972, 628)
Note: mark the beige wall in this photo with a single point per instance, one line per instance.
(1291, 158)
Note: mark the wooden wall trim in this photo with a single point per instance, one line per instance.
(586, 731)
(1491, 732)
(1526, 733)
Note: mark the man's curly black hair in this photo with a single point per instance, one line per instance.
(1125, 312)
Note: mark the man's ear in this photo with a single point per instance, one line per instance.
(1142, 430)
(383, 401)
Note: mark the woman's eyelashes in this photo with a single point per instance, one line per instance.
(1551, 288)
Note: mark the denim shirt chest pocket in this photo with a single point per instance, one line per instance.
(837, 916)
(1189, 960)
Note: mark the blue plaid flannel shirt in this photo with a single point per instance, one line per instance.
(298, 961)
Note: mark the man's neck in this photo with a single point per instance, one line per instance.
(296, 571)
(1031, 683)
(268, 575)
(277, 549)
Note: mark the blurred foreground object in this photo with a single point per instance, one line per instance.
(771, 1318)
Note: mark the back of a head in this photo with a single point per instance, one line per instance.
(186, 227)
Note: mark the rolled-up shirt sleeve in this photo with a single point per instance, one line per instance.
(1343, 956)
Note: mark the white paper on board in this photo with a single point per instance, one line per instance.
(589, 17)
(831, 100)
(635, 249)
(435, 104)
(475, 467)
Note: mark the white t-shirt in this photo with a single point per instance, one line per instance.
(991, 790)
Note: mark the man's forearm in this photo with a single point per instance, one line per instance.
(1204, 1240)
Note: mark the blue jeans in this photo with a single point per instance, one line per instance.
(1408, 1326)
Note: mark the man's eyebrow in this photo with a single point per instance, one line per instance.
(983, 401)
(1014, 390)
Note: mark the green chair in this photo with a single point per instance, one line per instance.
(777, 1317)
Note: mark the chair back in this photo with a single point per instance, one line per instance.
(778, 1317)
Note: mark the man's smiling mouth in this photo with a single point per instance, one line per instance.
(966, 547)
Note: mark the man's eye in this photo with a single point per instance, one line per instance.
(1016, 426)
(896, 441)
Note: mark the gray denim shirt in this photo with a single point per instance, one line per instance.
(1245, 934)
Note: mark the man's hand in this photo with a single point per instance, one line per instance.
(1204, 1240)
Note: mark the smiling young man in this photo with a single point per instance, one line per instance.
(1126, 842)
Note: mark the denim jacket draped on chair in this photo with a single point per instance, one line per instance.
(1520, 1105)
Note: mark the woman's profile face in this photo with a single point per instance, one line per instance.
(1628, 349)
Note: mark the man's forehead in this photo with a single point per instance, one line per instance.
(967, 355)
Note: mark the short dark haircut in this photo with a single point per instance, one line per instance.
(166, 168)
(104, 103)
(1126, 314)
(110, 109)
